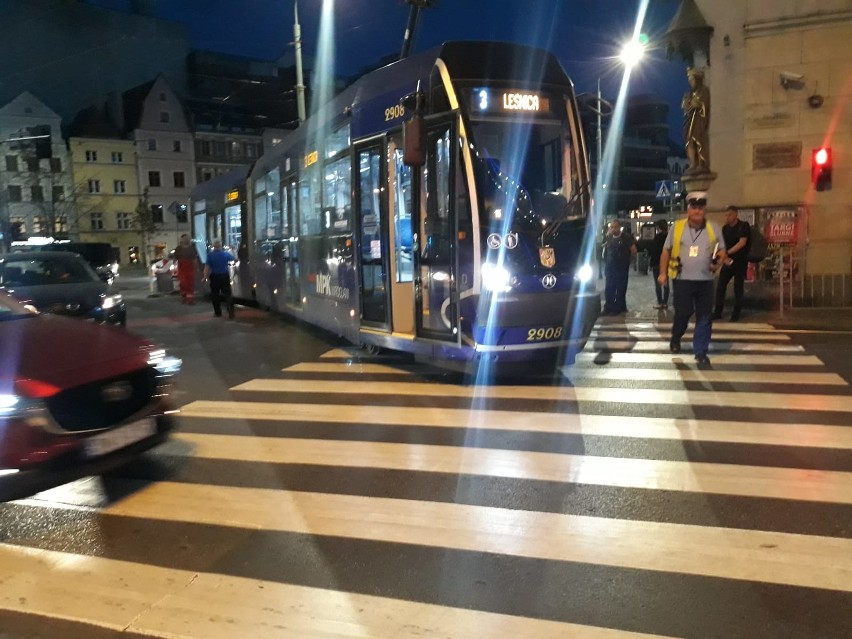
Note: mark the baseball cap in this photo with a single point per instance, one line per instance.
(697, 198)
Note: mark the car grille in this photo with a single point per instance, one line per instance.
(103, 403)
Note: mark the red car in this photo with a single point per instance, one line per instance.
(76, 398)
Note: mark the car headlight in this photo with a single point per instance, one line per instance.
(584, 274)
(166, 365)
(496, 278)
(110, 301)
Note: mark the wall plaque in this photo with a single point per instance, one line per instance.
(776, 155)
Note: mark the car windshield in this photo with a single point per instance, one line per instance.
(93, 252)
(43, 271)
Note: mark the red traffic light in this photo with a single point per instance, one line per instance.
(821, 169)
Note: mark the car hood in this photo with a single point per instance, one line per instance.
(66, 352)
(84, 295)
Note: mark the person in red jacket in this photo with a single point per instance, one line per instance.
(187, 262)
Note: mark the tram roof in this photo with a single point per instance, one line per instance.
(233, 179)
(364, 101)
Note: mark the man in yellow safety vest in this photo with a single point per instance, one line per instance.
(693, 251)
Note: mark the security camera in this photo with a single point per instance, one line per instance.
(789, 78)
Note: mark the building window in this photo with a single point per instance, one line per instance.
(58, 193)
(123, 221)
(236, 149)
(157, 213)
(56, 165)
(14, 193)
(165, 116)
(18, 225)
(163, 97)
(40, 225)
(205, 147)
(37, 194)
(176, 146)
(152, 144)
(206, 175)
(180, 180)
(32, 165)
(154, 178)
(181, 214)
(91, 156)
(219, 149)
(11, 162)
(119, 186)
(94, 186)
(97, 221)
(251, 150)
(60, 225)
(117, 157)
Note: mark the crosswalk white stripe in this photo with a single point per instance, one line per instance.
(771, 557)
(667, 326)
(715, 346)
(666, 335)
(744, 359)
(694, 375)
(599, 372)
(773, 434)
(169, 603)
(693, 398)
(681, 476)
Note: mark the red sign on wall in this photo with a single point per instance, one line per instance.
(782, 227)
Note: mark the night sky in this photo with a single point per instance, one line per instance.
(584, 34)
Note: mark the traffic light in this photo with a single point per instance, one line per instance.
(821, 168)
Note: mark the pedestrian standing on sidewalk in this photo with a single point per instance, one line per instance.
(187, 262)
(655, 252)
(693, 250)
(619, 251)
(737, 234)
(217, 271)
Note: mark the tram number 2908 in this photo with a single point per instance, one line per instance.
(541, 334)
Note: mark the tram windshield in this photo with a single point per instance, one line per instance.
(527, 170)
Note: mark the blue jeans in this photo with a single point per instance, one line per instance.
(693, 296)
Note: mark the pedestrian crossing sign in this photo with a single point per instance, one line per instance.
(664, 189)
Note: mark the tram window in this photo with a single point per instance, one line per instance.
(371, 221)
(337, 196)
(337, 142)
(309, 201)
(233, 226)
(403, 234)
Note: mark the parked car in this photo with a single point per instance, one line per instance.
(101, 256)
(76, 398)
(61, 283)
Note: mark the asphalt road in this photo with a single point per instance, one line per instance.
(316, 491)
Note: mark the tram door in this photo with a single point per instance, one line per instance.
(293, 294)
(401, 237)
(436, 239)
(371, 213)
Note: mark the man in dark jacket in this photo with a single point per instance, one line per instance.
(655, 251)
(618, 252)
(737, 234)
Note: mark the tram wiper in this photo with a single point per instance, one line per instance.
(560, 218)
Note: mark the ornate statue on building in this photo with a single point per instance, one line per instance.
(696, 122)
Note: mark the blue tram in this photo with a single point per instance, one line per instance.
(438, 206)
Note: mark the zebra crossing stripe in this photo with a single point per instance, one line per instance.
(804, 402)
(131, 597)
(771, 557)
(737, 432)
(726, 479)
(715, 346)
(743, 359)
(598, 372)
(717, 335)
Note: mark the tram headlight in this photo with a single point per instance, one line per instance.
(584, 274)
(496, 278)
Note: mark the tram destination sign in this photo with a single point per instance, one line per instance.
(508, 101)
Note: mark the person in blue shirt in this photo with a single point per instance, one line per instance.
(217, 272)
